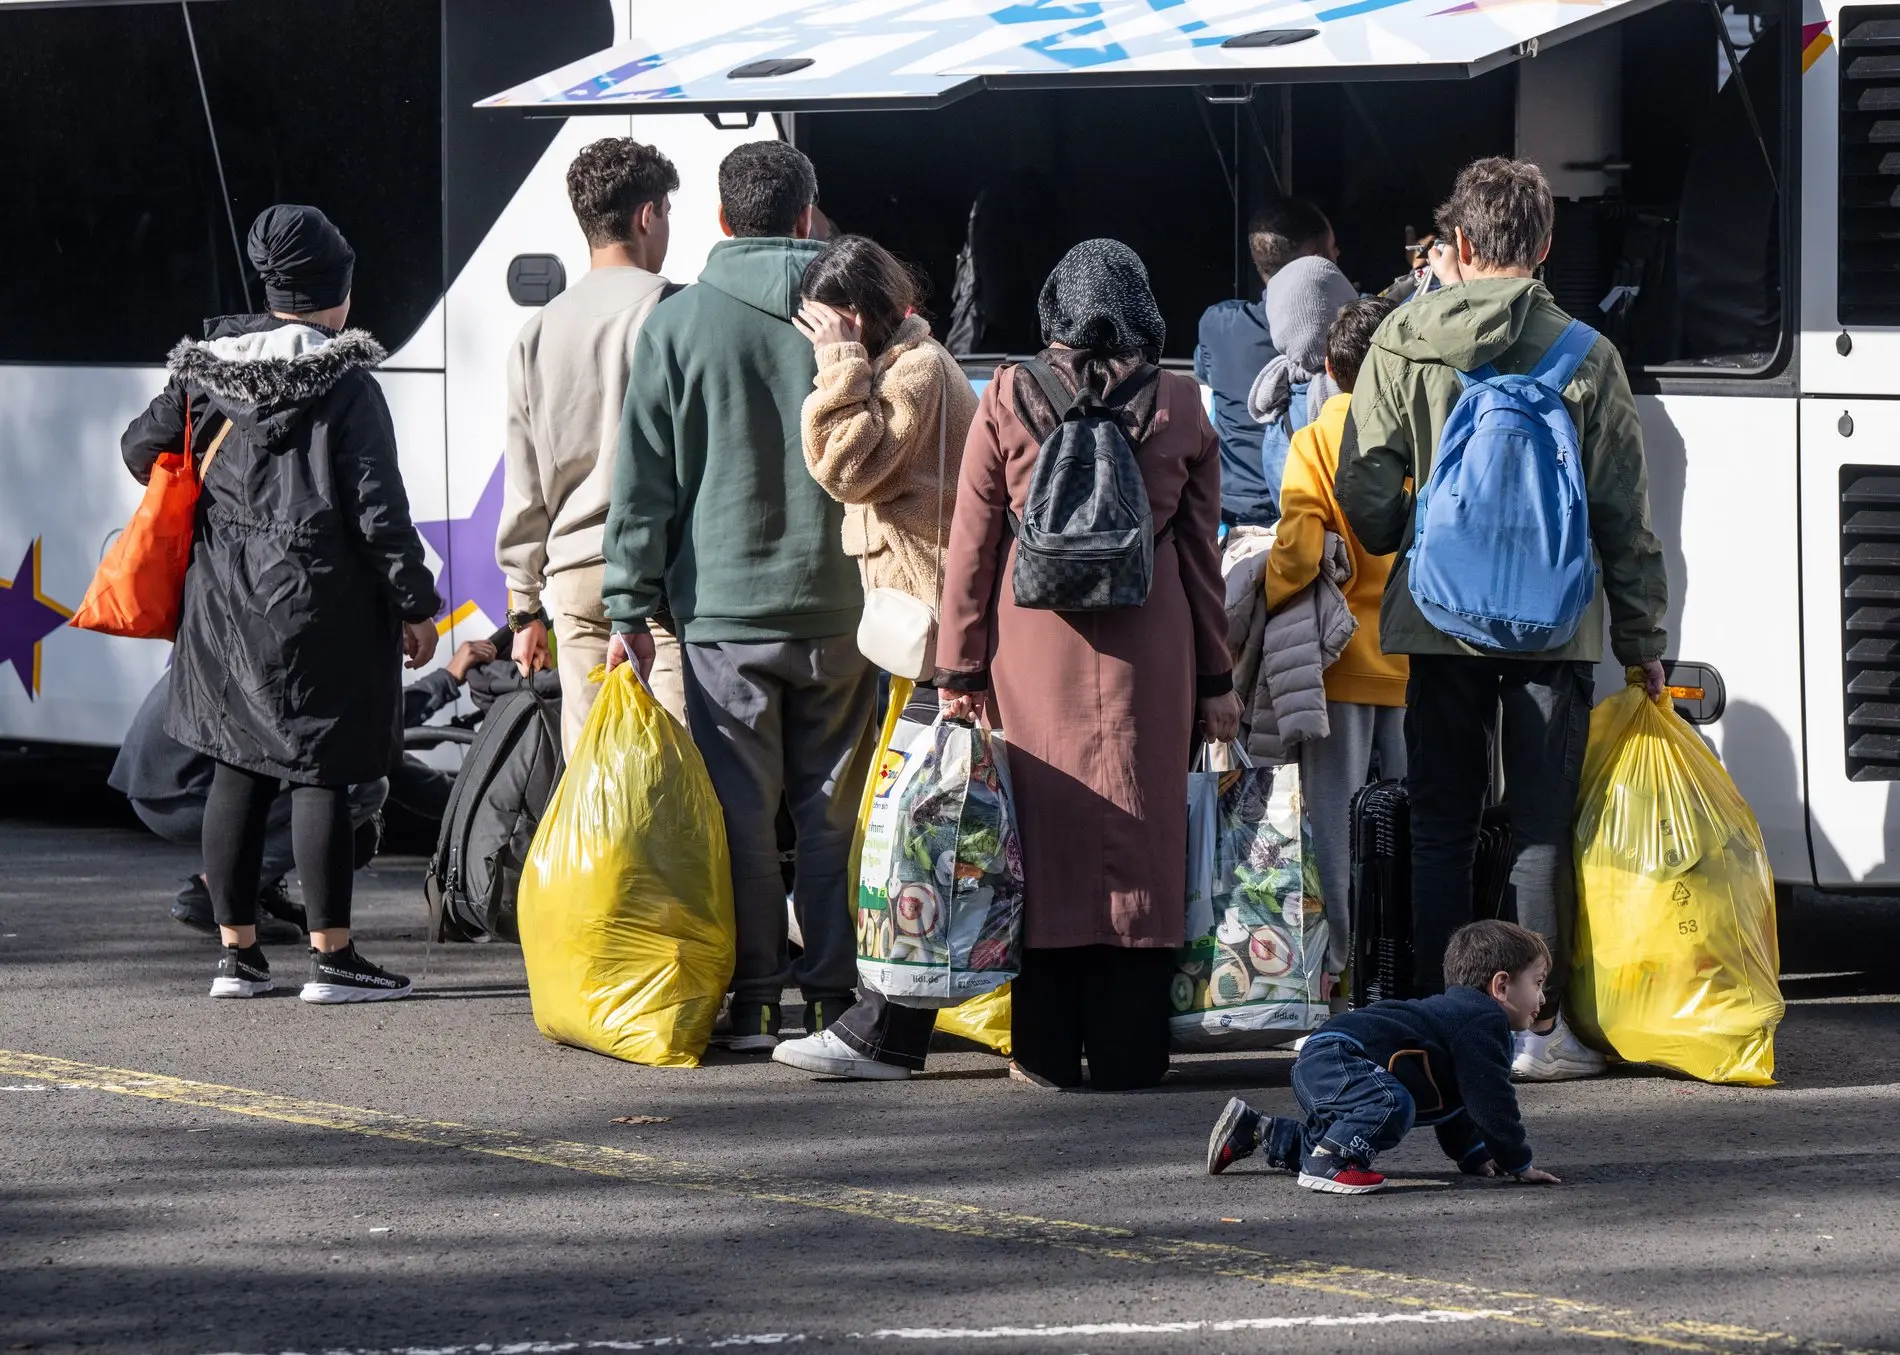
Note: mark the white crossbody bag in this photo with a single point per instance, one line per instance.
(898, 632)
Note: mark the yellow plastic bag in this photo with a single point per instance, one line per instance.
(626, 899)
(1675, 956)
(982, 1019)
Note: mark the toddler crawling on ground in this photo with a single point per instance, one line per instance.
(1367, 1076)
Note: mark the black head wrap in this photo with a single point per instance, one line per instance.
(305, 262)
(1098, 299)
(1098, 305)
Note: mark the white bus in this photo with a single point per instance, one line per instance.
(1728, 174)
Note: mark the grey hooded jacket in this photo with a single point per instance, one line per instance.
(1281, 659)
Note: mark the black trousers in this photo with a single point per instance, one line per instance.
(236, 822)
(1452, 707)
(1109, 1003)
(889, 1032)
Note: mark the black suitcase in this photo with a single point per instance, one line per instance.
(1380, 894)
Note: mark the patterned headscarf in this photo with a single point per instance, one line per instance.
(1098, 305)
(1098, 299)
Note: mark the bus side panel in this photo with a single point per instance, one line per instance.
(483, 319)
(69, 491)
(1871, 363)
(1855, 824)
(1722, 494)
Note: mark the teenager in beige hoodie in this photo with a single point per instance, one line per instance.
(884, 429)
(567, 383)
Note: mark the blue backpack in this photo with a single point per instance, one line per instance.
(1500, 552)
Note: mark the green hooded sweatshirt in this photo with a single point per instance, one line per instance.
(714, 518)
(1400, 403)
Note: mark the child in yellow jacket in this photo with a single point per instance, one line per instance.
(1365, 687)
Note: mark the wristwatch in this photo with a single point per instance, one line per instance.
(520, 621)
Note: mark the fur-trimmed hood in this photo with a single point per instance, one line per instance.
(263, 376)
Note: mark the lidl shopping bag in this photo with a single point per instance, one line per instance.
(1675, 950)
(1252, 973)
(949, 924)
(982, 1019)
(626, 899)
(901, 742)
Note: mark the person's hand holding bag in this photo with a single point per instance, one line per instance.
(631, 644)
(959, 705)
(1220, 717)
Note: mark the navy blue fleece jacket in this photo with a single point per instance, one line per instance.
(1453, 1054)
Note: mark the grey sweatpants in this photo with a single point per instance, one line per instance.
(180, 819)
(1331, 769)
(787, 719)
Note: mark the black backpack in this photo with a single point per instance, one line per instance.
(1086, 539)
(494, 807)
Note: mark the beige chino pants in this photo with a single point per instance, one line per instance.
(581, 632)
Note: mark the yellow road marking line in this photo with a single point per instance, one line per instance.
(1570, 1317)
(455, 618)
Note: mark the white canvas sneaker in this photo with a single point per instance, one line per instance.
(828, 1056)
(1557, 1055)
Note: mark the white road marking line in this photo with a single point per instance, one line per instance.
(783, 1338)
(1429, 1317)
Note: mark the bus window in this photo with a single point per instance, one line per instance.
(1017, 177)
(117, 236)
(1690, 250)
(114, 238)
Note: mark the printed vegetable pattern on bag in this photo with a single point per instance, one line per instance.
(1252, 974)
(949, 926)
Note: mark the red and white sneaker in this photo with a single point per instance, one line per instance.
(1346, 1178)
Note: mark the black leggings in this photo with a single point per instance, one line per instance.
(236, 816)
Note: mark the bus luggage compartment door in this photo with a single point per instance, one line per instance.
(1850, 547)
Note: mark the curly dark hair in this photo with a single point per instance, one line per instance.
(608, 182)
(763, 186)
(856, 273)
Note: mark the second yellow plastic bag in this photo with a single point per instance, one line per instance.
(1675, 955)
(626, 899)
(982, 1019)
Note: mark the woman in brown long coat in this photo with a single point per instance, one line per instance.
(1099, 707)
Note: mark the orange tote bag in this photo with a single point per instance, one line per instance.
(139, 589)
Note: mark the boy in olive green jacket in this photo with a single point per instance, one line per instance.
(1494, 232)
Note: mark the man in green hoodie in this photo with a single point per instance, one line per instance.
(1495, 231)
(715, 521)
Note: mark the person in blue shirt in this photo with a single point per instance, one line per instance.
(1235, 345)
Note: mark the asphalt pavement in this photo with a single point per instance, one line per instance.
(182, 1175)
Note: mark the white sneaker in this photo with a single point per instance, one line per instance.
(1554, 1056)
(826, 1054)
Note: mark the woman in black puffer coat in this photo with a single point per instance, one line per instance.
(307, 587)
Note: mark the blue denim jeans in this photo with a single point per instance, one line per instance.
(1354, 1108)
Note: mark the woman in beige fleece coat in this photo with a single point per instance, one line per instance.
(884, 432)
(885, 393)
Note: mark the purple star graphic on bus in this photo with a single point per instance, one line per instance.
(27, 616)
(470, 578)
